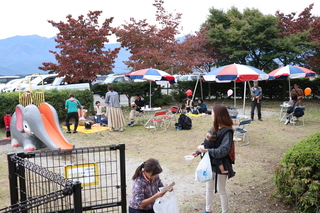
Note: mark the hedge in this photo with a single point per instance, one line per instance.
(55, 98)
(297, 177)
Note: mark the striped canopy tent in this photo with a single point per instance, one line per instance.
(151, 74)
(236, 73)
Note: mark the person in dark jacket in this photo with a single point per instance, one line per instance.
(222, 124)
(138, 104)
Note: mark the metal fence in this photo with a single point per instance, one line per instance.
(89, 179)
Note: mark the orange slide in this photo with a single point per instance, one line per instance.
(52, 127)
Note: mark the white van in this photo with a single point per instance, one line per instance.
(36, 83)
(60, 84)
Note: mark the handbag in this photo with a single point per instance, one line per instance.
(204, 170)
(167, 203)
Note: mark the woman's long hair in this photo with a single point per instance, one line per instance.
(221, 117)
(151, 166)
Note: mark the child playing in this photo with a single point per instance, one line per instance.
(98, 113)
(256, 92)
(7, 119)
(209, 142)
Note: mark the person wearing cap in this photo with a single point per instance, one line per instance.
(256, 94)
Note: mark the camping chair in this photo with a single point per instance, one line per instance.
(157, 122)
(139, 118)
(294, 119)
(241, 132)
(171, 115)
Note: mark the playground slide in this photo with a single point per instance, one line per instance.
(52, 128)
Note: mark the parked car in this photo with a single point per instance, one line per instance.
(117, 79)
(59, 83)
(6, 79)
(100, 79)
(190, 77)
(10, 84)
(36, 84)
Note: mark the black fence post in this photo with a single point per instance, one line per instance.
(22, 181)
(77, 197)
(13, 182)
(122, 147)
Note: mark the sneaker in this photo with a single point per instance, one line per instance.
(131, 123)
(74, 131)
(111, 129)
(120, 129)
(207, 212)
(287, 122)
(68, 132)
(260, 119)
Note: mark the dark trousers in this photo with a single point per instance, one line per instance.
(254, 104)
(76, 120)
(131, 210)
(8, 134)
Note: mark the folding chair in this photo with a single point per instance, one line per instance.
(296, 120)
(139, 117)
(171, 115)
(241, 132)
(157, 122)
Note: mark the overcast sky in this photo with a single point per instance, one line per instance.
(29, 17)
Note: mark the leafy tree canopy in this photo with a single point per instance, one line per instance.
(81, 41)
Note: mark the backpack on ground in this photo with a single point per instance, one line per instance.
(184, 122)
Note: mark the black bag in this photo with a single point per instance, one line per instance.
(87, 125)
(184, 122)
(290, 110)
(298, 113)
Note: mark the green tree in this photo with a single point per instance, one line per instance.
(304, 28)
(252, 38)
(81, 42)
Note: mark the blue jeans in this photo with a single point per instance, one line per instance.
(131, 210)
(98, 119)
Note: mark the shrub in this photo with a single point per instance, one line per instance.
(297, 177)
(56, 98)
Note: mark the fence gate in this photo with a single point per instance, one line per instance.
(89, 179)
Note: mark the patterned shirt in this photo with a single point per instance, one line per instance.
(143, 189)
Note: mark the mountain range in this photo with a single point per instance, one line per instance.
(22, 55)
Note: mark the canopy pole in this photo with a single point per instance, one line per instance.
(150, 94)
(289, 88)
(195, 88)
(234, 95)
(244, 97)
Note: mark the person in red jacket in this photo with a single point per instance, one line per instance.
(7, 119)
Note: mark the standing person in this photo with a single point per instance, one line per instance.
(115, 114)
(145, 190)
(98, 113)
(138, 103)
(299, 92)
(222, 124)
(256, 100)
(72, 105)
(7, 120)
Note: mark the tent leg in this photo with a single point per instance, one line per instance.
(244, 97)
(234, 95)
(150, 95)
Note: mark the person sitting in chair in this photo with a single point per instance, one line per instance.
(138, 103)
(293, 104)
(202, 106)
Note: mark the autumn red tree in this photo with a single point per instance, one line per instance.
(81, 42)
(303, 23)
(157, 47)
(197, 52)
